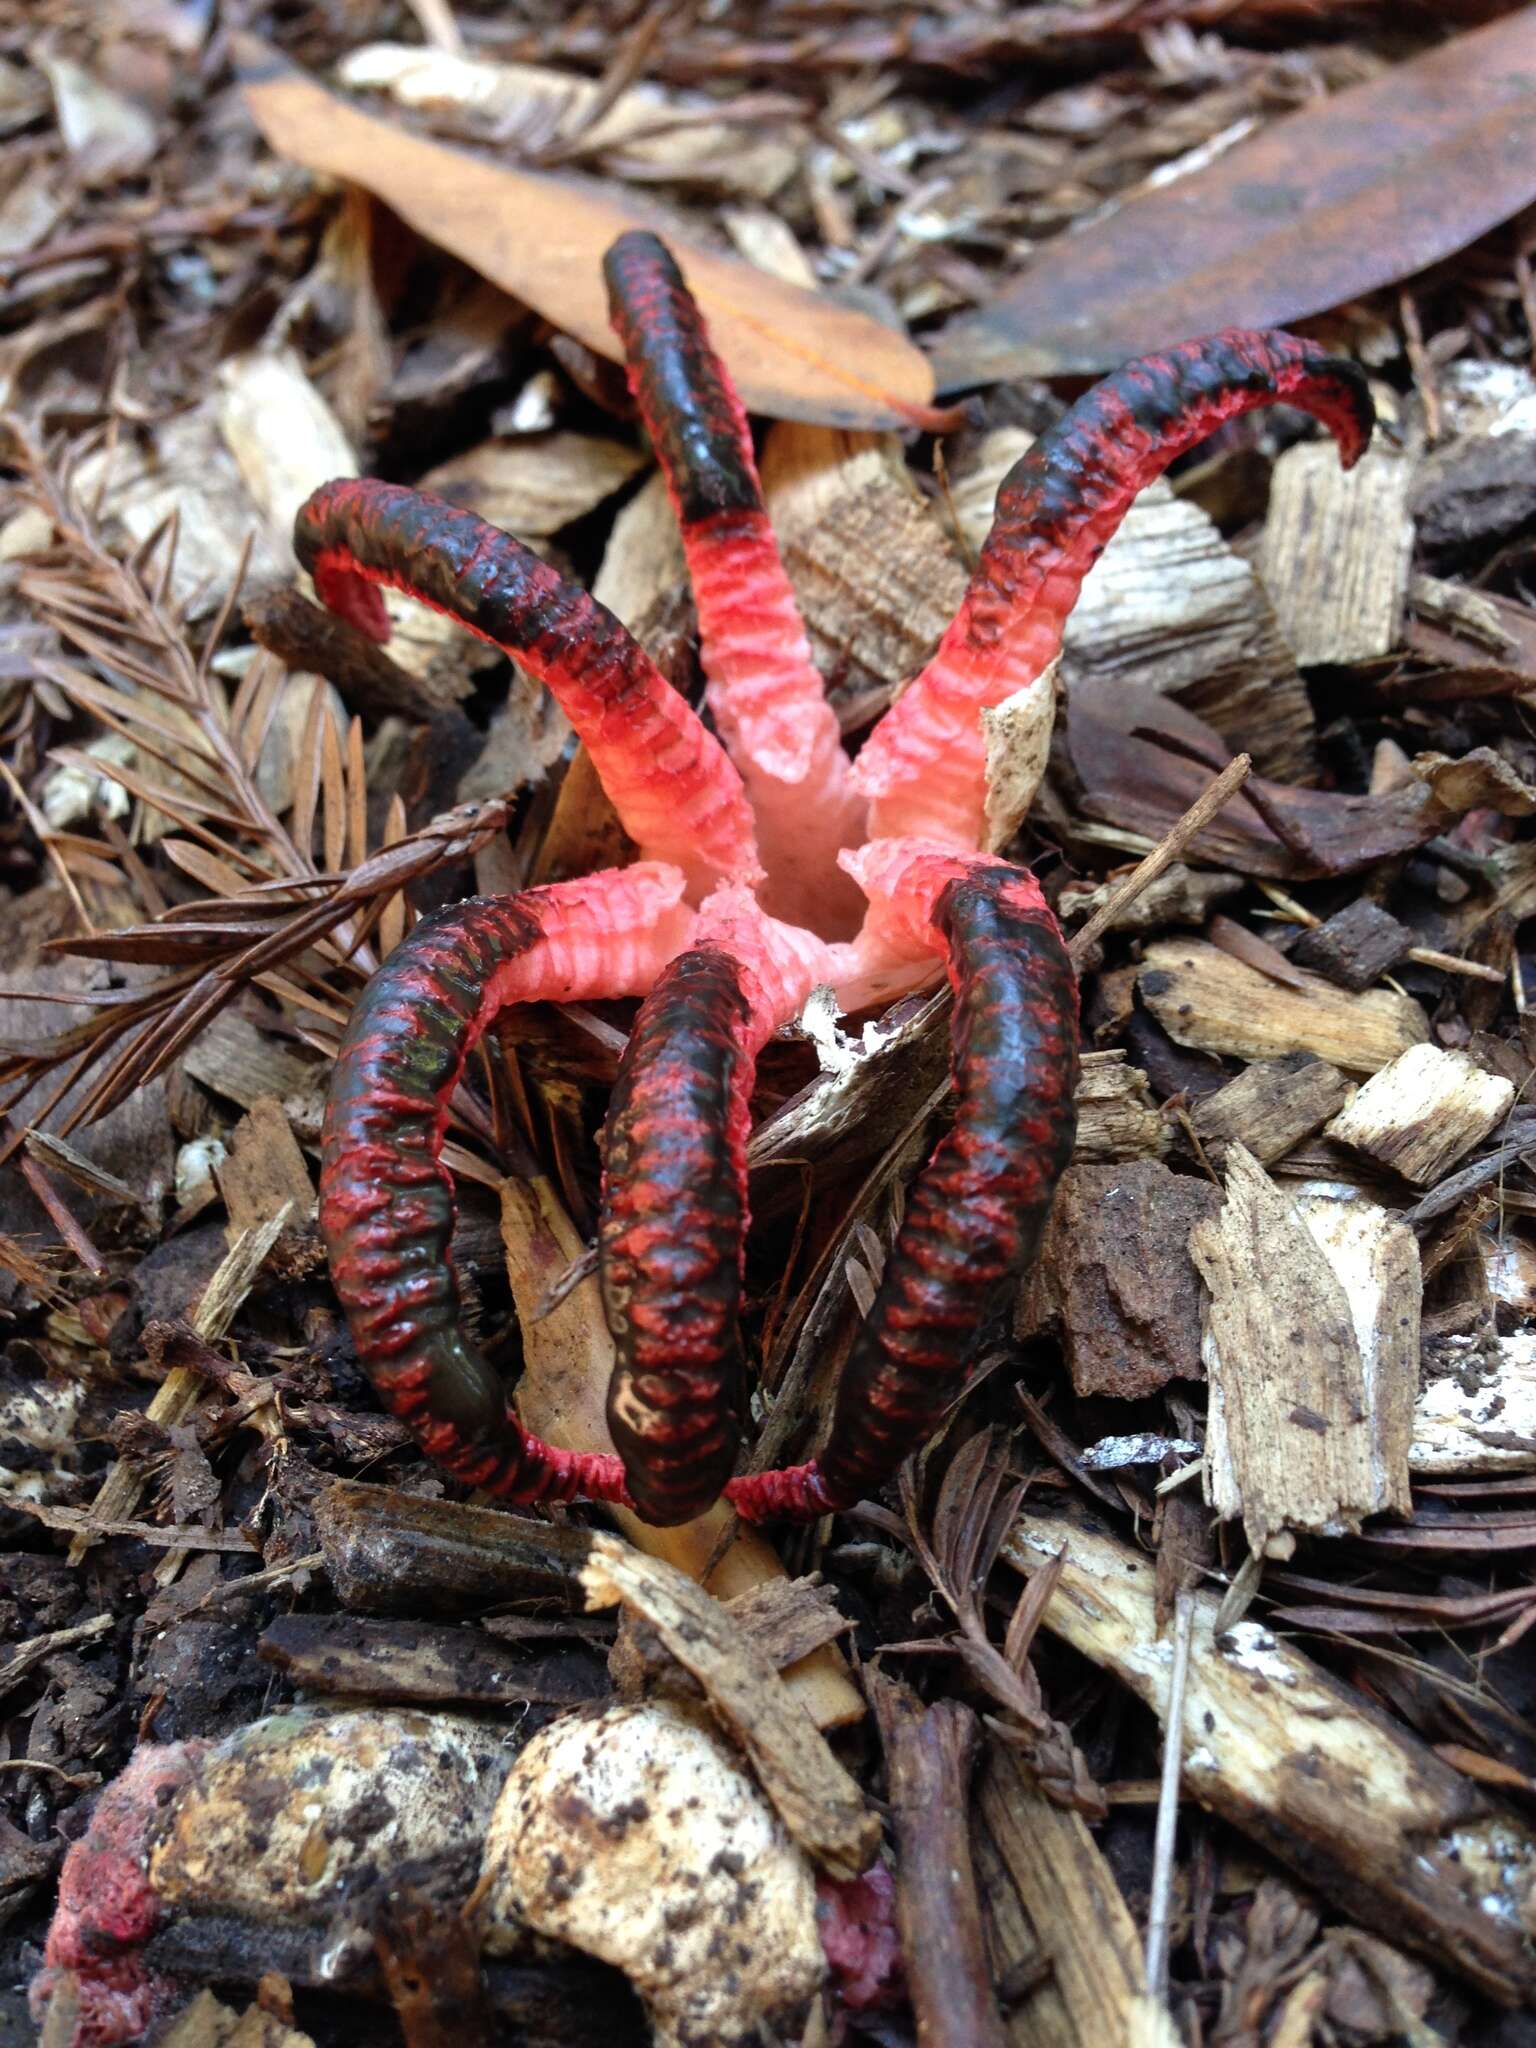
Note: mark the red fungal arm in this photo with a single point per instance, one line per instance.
(975, 1213)
(1058, 507)
(675, 1199)
(764, 691)
(386, 1201)
(670, 1243)
(668, 778)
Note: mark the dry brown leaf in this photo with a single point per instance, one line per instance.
(792, 355)
(1348, 194)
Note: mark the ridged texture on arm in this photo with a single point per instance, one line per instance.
(386, 1200)
(923, 768)
(673, 1231)
(764, 690)
(667, 776)
(975, 1213)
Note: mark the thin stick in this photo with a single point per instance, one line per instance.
(1166, 851)
(1168, 1804)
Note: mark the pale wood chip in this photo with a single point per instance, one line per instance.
(1204, 998)
(1422, 1113)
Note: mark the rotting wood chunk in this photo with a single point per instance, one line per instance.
(1271, 1106)
(1356, 946)
(1116, 1276)
(1312, 1352)
(1423, 1112)
(1336, 553)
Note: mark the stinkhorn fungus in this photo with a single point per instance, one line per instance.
(751, 850)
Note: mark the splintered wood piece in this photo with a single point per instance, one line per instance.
(1059, 1922)
(1422, 1113)
(1367, 1814)
(1170, 605)
(180, 1390)
(1116, 1116)
(535, 484)
(401, 1661)
(1481, 1416)
(1356, 946)
(877, 575)
(1205, 998)
(819, 1803)
(1312, 1373)
(1115, 1276)
(928, 1756)
(1336, 552)
(1271, 1106)
(561, 1398)
(1180, 895)
(264, 1171)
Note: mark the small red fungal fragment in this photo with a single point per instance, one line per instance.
(106, 1910)
(856, 1919)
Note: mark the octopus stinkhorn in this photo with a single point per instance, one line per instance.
(760, 849)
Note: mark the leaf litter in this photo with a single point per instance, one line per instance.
(1232, 1738)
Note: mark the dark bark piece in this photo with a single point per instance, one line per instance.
(1271, 1106)
(1473, 494)
(928, 1757)
(398, 1553)
(407, 1660)
(1356, 946)
(1116, 1276)
(305, 636)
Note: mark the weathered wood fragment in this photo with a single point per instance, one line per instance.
(1312, 1381)
(1367, 1814)
(1336, 552)
(1271, 1106)
(264, 1171)
(1171, 607)
(1068, 1949)
(928, 1757)
(1422, 1113)
(1115, 1276)
(1480, 1416)
(877, 574)
(1204, 998)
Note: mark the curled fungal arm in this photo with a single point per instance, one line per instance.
(1057, 509)
(975, 1213)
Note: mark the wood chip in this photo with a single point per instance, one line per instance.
(820, 1805)
(263, 1174)
(1271, 1106)
(1168, 606)
(1312, 1378)
(1356, 946)
(538, 483)
(877, 575)
(1481, 1416)
(1336, 552)
(1058, 1916)
(1367, 1813)
(1422, 1113)
(1115, 1276)
(1204, 998)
